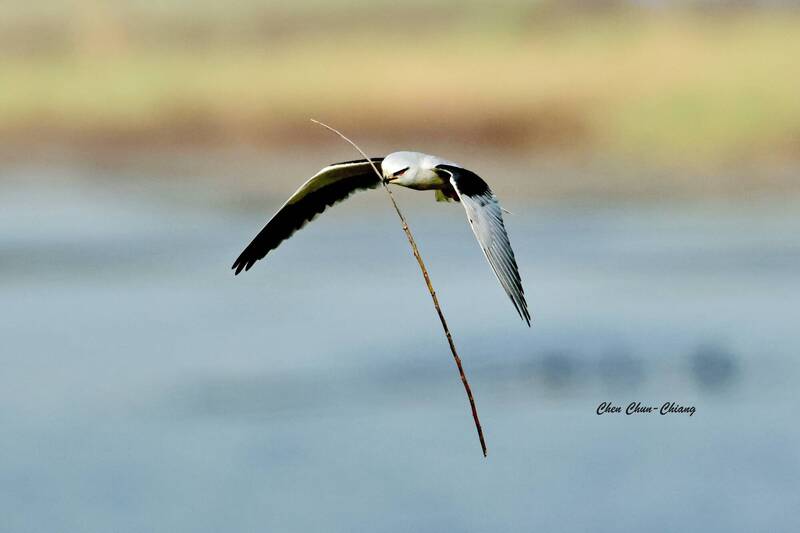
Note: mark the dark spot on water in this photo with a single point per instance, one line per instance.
(558, 369)
(713, 366)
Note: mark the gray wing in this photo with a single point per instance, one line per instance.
(486, 219)
(329, 186)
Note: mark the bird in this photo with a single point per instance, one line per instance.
(450, 181)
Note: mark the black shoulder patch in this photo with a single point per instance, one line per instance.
(467, 182)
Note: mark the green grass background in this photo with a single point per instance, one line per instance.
(658, 86)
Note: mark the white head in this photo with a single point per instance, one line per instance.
(413, 170)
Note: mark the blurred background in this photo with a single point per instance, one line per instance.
(649, 152)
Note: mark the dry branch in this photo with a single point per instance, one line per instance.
(424, 270)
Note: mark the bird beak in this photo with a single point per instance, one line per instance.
(389, 179)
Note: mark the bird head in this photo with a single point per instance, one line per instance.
(401, 168)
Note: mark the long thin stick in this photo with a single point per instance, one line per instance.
(424, 270)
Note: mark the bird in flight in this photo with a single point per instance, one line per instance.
(415, 170)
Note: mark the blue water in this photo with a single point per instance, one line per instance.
(145, 388)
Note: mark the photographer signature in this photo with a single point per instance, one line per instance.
(635, 408)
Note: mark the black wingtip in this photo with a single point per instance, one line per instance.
(244, 262)
(524, 314)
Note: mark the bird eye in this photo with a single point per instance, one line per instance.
(400, 172)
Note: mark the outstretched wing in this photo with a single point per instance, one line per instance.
(486, 219)
(329, 186)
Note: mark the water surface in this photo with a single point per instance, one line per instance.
(145, 388)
